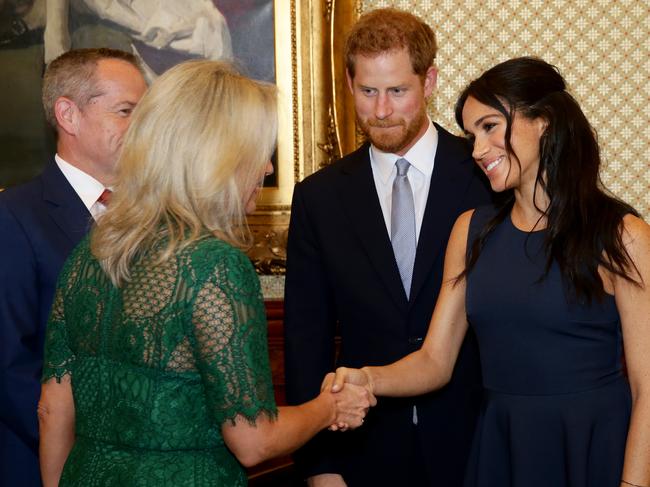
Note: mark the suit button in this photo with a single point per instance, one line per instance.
(413, 340)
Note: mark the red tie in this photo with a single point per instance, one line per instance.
(105, 197)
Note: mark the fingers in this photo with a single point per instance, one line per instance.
(360, 396)
(372, 399)
(327, 383)
(339, 379)
(339, 427)
(345, 375)
(351, 423)
(352, 405)
(354, 397)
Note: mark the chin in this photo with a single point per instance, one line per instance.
(500, 186)
(388, 144)
(251, 204)
(497, 184)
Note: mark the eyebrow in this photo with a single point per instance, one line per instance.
(480, 120)
(401, 86)
(96, 94)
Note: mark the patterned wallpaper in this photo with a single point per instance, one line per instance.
(602, 48)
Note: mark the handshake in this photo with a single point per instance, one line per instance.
(352, 391)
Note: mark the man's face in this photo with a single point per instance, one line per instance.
(390, 99)
(104, 119)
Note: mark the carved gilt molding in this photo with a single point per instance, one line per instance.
(317, 121)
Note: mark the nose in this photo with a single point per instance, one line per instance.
(268, 170)
(480, 149)
(383, 108)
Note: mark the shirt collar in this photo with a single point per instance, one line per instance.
(420, 156)
(87, 187)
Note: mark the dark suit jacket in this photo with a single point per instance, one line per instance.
(342, 278)
(41, 222)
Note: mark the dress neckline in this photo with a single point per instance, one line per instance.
(526, 232)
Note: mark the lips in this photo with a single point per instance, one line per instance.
(489, 166)
(385, 124)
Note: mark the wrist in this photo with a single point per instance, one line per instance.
(326, 480)
(369, 379)
(327, 403)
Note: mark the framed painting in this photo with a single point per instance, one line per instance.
(293, 43)
(160, 33)
(317, 122)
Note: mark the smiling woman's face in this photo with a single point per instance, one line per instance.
(486, 127)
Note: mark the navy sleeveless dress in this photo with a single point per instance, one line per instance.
(557, 405)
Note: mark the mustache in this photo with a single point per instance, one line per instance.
(375, 122)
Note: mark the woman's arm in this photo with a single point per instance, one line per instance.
(56, 428)
(430, 367)
(227, 332)
(633, 304)
(295, 425)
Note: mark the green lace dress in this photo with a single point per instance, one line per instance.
(158, 365)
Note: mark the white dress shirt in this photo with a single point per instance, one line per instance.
(384, 170)
(87, 187)
(421, 157)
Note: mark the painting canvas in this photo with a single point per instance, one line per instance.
(294, 43)
(161, 33)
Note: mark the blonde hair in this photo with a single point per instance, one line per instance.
(72, 75)
(198, 140)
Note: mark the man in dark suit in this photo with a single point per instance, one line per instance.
(88, 96)
(348, 272)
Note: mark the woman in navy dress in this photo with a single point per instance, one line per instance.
(555, 281)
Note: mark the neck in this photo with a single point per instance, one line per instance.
(71, 155)
(529, 208)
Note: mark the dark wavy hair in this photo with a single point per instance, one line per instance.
(584, 222)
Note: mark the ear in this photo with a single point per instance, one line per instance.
(67, 114)
(430, 79)
(542, 125)
(350, 81)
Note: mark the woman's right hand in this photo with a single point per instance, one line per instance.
(334, 381)
(352, 394)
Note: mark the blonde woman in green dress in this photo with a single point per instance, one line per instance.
(156, 369)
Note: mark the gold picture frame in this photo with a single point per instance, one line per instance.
(316, 113)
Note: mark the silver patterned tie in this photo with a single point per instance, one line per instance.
(402, 224)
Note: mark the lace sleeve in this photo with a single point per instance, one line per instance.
(58, 358)
(228, 334)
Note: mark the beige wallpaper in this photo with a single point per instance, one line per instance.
(602, 47)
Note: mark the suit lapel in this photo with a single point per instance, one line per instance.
(446, 192)
(64, 205)
(360, 202)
